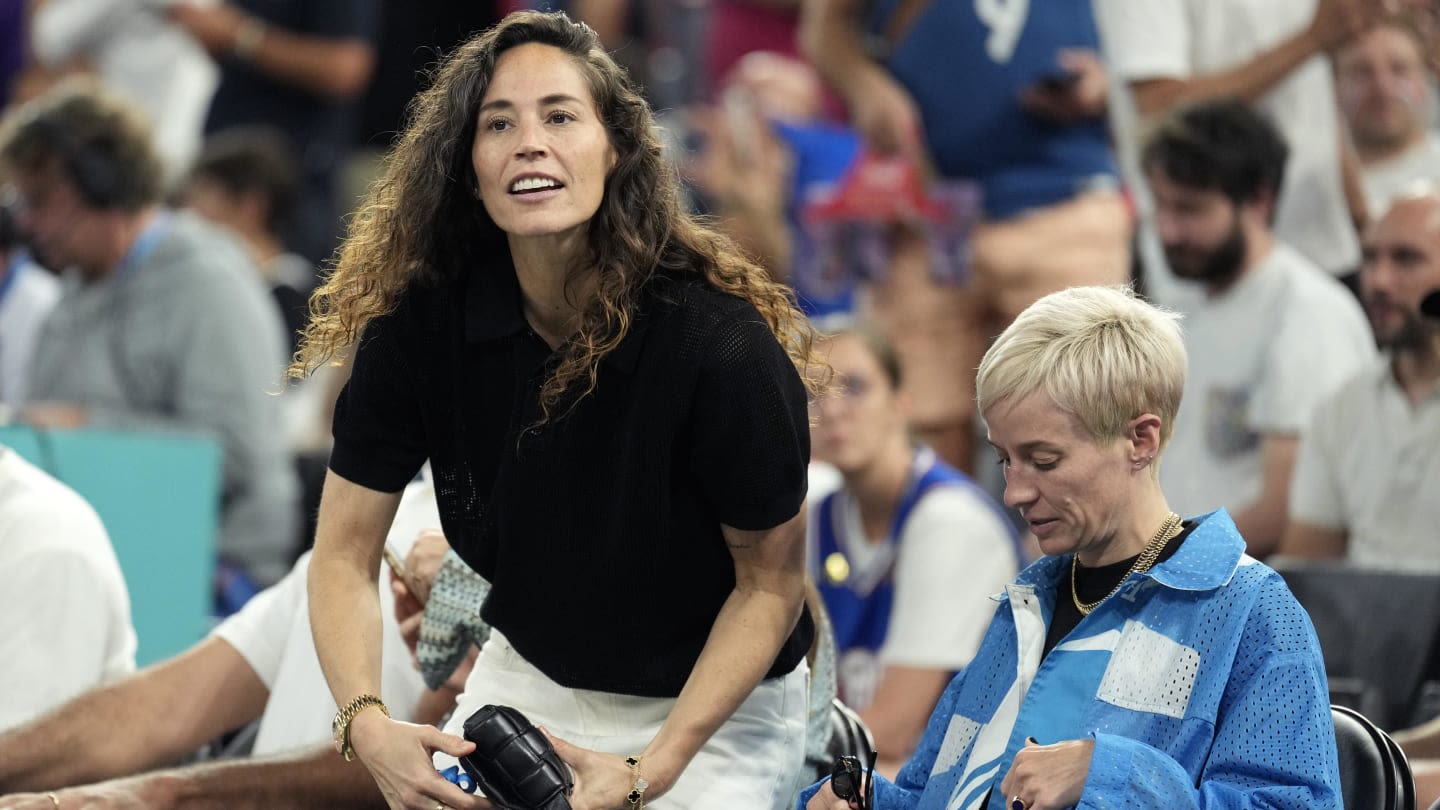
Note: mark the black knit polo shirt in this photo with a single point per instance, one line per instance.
(600, 530)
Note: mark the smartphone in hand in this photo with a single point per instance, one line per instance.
(396, 564)
(1057, 82)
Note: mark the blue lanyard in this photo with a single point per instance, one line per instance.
(143, 245)
(18, 265)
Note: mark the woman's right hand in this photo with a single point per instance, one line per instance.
(825, 799)
(398, 757)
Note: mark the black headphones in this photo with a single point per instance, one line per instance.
(99, 178)
(9, 223)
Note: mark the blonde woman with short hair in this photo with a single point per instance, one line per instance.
(1145, 661)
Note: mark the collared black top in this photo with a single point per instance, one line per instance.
(600, 530)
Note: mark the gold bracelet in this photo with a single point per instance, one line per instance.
(248, 38)
(341, 727)
(636, 796)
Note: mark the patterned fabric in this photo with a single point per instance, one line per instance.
(452, 623)
(1203, 672)
(452, 620)
(860, 605)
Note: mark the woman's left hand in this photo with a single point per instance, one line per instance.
(602, 781)
(1048, 777)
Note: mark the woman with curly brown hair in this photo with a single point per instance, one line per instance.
(609, 397)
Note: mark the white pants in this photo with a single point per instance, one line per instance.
(754, 761)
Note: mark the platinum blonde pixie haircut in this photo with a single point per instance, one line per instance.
(1100, 353)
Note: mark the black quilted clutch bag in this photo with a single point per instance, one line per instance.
(513, 764)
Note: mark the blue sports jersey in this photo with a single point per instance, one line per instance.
(966, 64)
(859, 605)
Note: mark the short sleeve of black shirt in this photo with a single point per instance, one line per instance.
(379, 440)
(752, 440)
(601, 528)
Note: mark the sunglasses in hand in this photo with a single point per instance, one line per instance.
(854, 782)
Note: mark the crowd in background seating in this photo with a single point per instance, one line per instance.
(1013, 156)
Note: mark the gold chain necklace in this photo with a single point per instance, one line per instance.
(1163, 535)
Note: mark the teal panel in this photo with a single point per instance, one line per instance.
(158, 495)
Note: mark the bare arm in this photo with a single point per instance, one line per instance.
(1421, 742)
(1307, 541)
(745, 170)
(1334, 22)
(336, 67)
(1354, 186)
(898, 712)
(882, 111)
(344, 604)
(313, 777)
(747, 634)
(1262, 523)
(150, 719)
(345, 618)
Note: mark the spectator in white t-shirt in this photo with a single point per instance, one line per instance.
(1272, 53)
(904, 549)
(1367, 479)
(1384, 85)
(1268, 333)
(259, 665)
(64, 611)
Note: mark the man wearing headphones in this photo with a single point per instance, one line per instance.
(27, 292)
(162, 322)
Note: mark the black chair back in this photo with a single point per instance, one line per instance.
(1374, 773)
(849, 736)
(1379, 632)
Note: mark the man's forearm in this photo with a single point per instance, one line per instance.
(748, 633)
(148, 720)
(1248, 82)
(85, 740)
(1262, 525)
(831, 41)
(314, 777)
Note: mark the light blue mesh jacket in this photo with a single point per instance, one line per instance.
(1201, 683)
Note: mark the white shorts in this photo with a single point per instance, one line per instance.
(755, 760)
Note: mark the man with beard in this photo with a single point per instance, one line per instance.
(1367, 473)
(162, 322)
(1383, 82)
(1269, 334)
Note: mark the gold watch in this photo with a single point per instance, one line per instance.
(341, 727)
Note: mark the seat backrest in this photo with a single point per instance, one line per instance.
(1374, 774)
(847, 736)
(1403, 774)
(848, 733)
(1378, 630)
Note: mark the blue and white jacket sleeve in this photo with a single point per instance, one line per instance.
(1274, 741)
